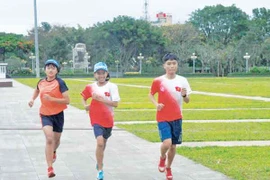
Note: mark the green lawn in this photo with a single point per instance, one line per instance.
(195, 132)
(241, 163)
(237, 162)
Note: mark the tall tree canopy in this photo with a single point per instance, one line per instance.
(17, 45)
(220, 24)
(123, 39)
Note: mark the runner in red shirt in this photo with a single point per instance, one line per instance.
(172, 91)
(105, 97)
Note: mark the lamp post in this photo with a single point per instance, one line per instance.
(32, 57)
(23, 63)
(64, 64)
(116, 62)
(71, 65)
(247, 58)
(193, 57)
(36, 40)
(148, 62)
(140, 57)
(86, 57)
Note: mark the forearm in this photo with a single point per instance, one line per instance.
(152, 99)
(60, 100)
(84, 102)
(35, 94)
(110, 103)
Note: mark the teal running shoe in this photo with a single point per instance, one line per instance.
(100, 175)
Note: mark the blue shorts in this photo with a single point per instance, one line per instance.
(56, 121)
(171, 130)
(102, 131)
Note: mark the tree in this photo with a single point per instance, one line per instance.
(57, 41)
(15, 45)
(220, 24)
(123, 39)
(261, 19)
(182, 39)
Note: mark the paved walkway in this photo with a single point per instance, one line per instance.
(127, 156)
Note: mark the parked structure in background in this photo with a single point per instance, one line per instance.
(4, 82)
(80, 57)
(163, 19)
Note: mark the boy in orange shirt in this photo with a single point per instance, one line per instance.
(54, 98)
(172, 91)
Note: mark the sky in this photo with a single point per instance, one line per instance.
(17, 16)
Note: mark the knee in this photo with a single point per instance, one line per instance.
(49, 140)
(173, 147)
(167, 143)
(57, 141)
(100, 145)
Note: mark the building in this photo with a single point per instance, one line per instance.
(163, 19)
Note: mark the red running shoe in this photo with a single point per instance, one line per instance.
(161, 165)
(51, 172)
(169, 174)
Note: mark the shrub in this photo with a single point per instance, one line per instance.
(260, 70)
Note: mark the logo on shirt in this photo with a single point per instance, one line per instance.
(178, 89)
(107, 94)
(162, 89)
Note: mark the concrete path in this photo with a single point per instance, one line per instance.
(127, 156)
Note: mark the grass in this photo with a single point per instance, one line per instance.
(197, 132)
(136, 98)
(149, 115)
(241, 163)
(251, 86)
(237, 162)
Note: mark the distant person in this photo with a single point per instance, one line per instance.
(54, 99)
(105, 97)
(172, 91)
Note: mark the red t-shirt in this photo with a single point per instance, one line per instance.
(99, 112)
(169, 94)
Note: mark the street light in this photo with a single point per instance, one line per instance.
(71, 65)
(247, 58)
(64, 64)
(86, 57)
(116, 62)
(23, 63)
(36, 40)
(193, 57)
(140, 57)
(32, 57)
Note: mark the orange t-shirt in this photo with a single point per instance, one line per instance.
(54, 88)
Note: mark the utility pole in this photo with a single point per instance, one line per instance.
(36, 41)
(146, 16)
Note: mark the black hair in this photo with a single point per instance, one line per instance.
(169, 56)
(58, 68)
(108, 77)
